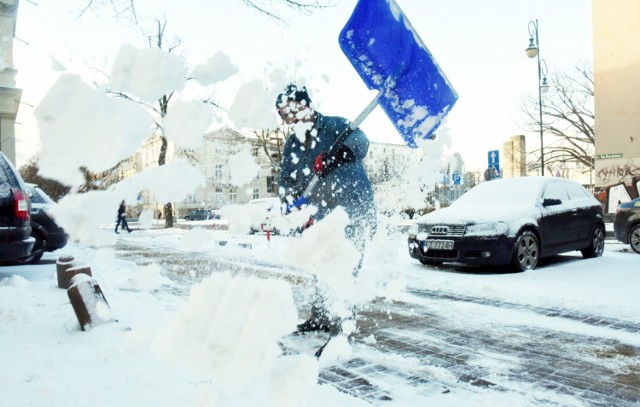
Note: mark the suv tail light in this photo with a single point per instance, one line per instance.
(21, 204)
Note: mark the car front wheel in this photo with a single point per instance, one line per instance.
(526, 251)
(634, 238)
(596, 247)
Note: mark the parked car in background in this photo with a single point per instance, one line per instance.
(262, 213)
(15, 214)
(514, 221)
(48, 235)
(199, 214)
(626, 224)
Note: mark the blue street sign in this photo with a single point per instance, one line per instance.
(457, 179)
(494, 160)
(390, 57)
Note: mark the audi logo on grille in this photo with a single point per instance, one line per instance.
(440, 230)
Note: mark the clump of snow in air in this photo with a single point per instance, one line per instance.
(253, 107)
(81, 126)
(229, 331)
(148, 278)
(243, 167)
(147, 73)
(324, 250)
(146, 218)
(82, 214)
(186, 122)
(301, 128)
(217, 68)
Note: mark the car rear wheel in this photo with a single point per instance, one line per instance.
(596, 247)
(38, 250)
(526, 251)
(634, 238)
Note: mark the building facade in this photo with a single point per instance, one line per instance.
(386, 164)
(514, 152)
(212, 158)
(617, 100)
(9, 94)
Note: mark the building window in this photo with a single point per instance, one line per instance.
(218, 172)
(271, 184)
(233, 195)
(219, 196)
(256, 193)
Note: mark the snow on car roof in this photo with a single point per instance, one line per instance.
(508, 190)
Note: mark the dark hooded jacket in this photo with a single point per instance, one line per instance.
(347, 185)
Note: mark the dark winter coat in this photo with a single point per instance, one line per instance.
(121, 210)
(347, 185)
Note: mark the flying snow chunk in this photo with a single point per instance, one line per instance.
(329, 254)
(230, 327)
(147, 74)
(217, 69)
(186, 122)
(243, 167)
(171, 182)
(83, 214)
(81, 126)
(253, 107)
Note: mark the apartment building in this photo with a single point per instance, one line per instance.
(617, 100)
(385, 164)
(9, 94)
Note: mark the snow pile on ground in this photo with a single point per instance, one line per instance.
(218, 347)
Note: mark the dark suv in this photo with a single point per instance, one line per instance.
(15, 214)
(626, 225)
(48, 234)
(198, 214)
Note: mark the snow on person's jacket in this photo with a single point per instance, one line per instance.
(347, 185)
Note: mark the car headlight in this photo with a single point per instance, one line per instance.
(487, 229)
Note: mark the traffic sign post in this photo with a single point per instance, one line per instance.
(494, 162)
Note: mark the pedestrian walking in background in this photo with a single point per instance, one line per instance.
(122, 217)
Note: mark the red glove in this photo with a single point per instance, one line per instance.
(320, 166)
(324, 164)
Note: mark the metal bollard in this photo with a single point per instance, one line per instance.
(88, 302)
(66, 268)
(62, 264)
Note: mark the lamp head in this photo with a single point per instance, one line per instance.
(532, 49)
(544, 86)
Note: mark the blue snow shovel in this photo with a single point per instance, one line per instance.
(390, 57)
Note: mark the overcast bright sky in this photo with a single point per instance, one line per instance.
(479, 45)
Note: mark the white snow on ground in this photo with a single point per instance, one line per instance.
(218, 346)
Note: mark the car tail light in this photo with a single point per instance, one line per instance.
(21, 204)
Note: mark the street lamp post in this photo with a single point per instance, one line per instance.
(533, 50)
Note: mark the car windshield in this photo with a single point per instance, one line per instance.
(38, 196)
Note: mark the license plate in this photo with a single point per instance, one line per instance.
(438, 245)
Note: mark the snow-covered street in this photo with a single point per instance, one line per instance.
(567, 333)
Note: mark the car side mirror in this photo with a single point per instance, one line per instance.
(551, 202)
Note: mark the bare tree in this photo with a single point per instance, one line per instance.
(121, 9)
(568, 120)
(271, 142)
(30, 173)
(125, 9)
(269, 7)
(161, 107)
